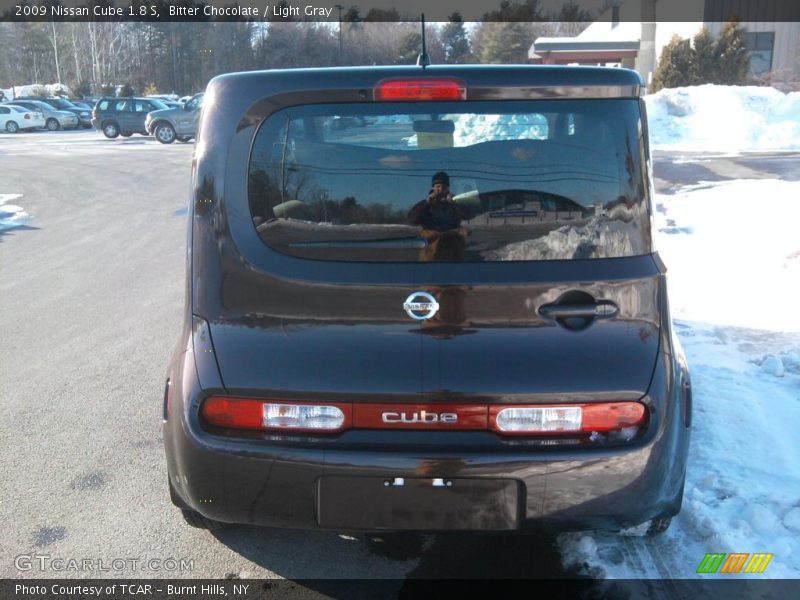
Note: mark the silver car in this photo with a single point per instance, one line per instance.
(54, 119)
(178, 123)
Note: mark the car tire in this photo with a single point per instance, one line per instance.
(195, 519)
(110, 129)
(165, 133)
(658, 526)
(12, 127)
(53, 124)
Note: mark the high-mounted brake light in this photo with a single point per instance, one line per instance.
(420, 89)
(245, 413)
(575, 418)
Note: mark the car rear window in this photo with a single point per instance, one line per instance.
(528, 180)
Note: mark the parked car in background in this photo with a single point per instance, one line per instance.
(84, 114)
(178, 123)
(83, 104)
(13, 118)
(54, 119)
(123, 116)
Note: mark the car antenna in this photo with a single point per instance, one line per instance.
(423, 60)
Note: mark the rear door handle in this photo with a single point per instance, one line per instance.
(602, 309)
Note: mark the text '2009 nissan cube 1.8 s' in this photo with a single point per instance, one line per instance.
(426, 299)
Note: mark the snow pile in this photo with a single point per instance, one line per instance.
(603, 236)
(473, 129)
(53, 89)
(11, 215)
(734, 261)
(720, 118)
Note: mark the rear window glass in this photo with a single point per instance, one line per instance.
(470, 181)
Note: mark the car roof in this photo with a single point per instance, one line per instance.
(508, 74)
(482, 81)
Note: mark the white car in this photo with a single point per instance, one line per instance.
(13, 118)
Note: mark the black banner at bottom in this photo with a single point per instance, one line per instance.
(357, 589)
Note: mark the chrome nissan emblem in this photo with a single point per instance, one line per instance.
(421, 306)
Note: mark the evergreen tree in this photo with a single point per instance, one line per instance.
(675, 67)
(503, 43)
(706, 65)
(410, 47)
(454, 38)
(732, 56)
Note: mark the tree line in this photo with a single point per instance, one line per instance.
(98, 57)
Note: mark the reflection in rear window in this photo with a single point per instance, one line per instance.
(468, 181)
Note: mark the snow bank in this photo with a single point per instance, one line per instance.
(733, 259)
(11, 215)
(27, 90)
(719, 118)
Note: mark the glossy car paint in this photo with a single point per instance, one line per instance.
(266, 325)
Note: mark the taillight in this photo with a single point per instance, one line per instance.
(245, 413)
(94, 114)
(420, 89)
(574, 418)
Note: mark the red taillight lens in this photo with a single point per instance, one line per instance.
(94, 114)
(565, 419)
(27, 116)
(420, 89)
(271, 415)
(234, 413)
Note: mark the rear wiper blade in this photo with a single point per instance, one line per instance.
(401, 242)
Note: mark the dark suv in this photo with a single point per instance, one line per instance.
(123, 116)
(426, 299)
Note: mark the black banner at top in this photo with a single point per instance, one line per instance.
(400, 10)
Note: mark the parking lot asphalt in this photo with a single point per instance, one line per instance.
(91, 299)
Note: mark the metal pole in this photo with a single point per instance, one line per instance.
(340, 8)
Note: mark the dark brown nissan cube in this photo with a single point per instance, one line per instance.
(426, 299)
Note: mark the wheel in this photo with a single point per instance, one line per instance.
(110, 130)
(165, 133)
(658, 526)
(126, 134)
(53, 124)
(12, 127)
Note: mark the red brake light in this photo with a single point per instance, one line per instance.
(235, 413)
(420, 89)
(27, 116)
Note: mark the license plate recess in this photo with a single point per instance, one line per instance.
(425, 504)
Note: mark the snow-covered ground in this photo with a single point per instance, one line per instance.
(721, 118)
(733, 255)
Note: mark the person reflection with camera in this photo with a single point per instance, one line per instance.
(440, 216)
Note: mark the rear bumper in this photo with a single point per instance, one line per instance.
(290, 483)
